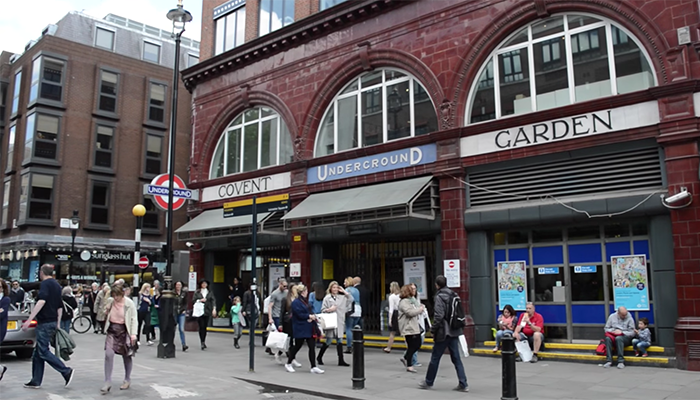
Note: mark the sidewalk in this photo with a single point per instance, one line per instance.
(386, 378)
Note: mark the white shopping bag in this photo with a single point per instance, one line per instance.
(463, 345)
(328, 321)
(241, 318)
(271, 328)
(198, 309)
(277, 341)
(358, 312)
(524, 350)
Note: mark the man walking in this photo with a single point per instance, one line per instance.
(354, 318)
(445, 338)
(47, 312)
(90, 298)
(16, 294)
(274, 310)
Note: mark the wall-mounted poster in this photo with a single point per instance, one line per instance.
(512, 284)
(414, 272)
(276, 273)
(630, 282)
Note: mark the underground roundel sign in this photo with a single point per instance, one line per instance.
(159, 190)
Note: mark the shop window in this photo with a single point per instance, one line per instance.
(99, 203)
(330, 3)
(5, 212)
(47, 80)
(616, 231)
(569, 57)
(36, 198)
(499, 238)
(154, 154)
(377, 107)
(230, 31)
(104, 38)
(549, 284)
(151, 52)
(104, 146)
(257, 138)
(151, 218)
(587, 282)
(518, 237)
(640, 229)
(107, 97)
(275, 14)
(16, 89)
(41, 137)
(156, 102)
(11, 149)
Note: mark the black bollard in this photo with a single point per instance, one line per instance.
(510, 385)
(358, 358)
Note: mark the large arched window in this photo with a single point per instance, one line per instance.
(256, 138)
(391, 104)
(562, 60)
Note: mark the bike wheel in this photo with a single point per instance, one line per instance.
(82, 324)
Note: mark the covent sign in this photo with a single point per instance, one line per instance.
(247, 187)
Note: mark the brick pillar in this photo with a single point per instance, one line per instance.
(196, 261)
(300, 254)
(454, 239)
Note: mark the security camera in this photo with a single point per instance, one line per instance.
(189, 244)
(682, 195)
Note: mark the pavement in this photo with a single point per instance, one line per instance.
(221, 372)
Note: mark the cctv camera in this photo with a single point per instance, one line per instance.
(189, 244)
(678, 197)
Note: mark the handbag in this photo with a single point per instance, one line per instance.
(524, 350)
(357, 311)
(277, 341)
(198, 309)
(328, 321)
(351, 310)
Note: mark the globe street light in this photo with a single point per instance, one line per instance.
(138, 211)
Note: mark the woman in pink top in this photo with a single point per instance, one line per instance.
(506, 324)
(121, 326)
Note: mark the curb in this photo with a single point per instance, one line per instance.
(283, 389)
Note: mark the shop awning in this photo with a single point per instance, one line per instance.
(411, 198)
(211, 224)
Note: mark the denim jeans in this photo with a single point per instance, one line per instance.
(640, 346)
(350, 323)
(499, 336)
(452, 344)
(620, 343)
(181, 327)
(44, 333)
(65, 325)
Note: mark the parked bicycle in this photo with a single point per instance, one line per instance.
(80, 323)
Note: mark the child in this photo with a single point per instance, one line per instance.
(643, 339)
(236, 321)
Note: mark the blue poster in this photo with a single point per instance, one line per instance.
(512, 284)
(15, 271)
(630, 282)
(34, 271)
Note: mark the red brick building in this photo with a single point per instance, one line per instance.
(538, 146)
(86, 121)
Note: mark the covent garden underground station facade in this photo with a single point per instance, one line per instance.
(542, 151)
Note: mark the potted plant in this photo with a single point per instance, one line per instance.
(221, 318)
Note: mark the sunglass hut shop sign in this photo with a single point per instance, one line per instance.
(383, 162)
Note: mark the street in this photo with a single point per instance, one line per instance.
(221, 372)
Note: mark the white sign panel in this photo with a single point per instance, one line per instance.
(414, 272)
(246, 187)
(192, 281)
(573, 127)
(294, 270)
(276, 272)
(451, 272)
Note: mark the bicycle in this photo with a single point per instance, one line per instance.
(80, 323)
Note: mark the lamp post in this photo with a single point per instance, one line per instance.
(74, 225)
(138, 211)
(166, 347)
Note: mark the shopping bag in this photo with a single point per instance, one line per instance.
(524, 350)
(463, 345)
(357, 312)
(271, 328)
(277, 341)
(328, 321)
(241, 318)
(198, 309)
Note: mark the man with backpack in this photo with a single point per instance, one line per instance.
(447, 327)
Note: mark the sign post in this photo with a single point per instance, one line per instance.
(254, 274)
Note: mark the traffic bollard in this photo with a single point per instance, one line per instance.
(358, 358)
(510, 385)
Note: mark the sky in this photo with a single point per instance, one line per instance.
(23, 20)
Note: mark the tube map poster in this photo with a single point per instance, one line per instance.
(630, 282)
(512, 284)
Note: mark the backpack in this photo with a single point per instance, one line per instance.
(601, 350)
(456, 313)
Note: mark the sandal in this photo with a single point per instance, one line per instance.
(410, 369)
(387, 351)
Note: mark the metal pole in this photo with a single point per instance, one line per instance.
(358, 358)
(510, 385)
(72, 254)
(253, 273)
(137, 255)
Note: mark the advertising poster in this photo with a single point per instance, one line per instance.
(630, 282)
(219, 274)
(414, 272)
(276, 272)
(512, 284)
(451, 272)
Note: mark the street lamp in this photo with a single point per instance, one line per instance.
(74, 225)
(138, 211)
(166, 347)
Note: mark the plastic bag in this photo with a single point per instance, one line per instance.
(328, 321)
(198, 309)
(524, 350)
(277, 341)
(463, 345)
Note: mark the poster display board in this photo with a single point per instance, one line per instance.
(512, 284)
(630, 282)
(414, 272)
(451, 272)
(276, 272)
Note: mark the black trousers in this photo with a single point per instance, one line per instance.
(93, 319)
(413, 345)
(203, 322)
(145, 322)
(298, 342)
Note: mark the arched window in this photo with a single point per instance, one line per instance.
(256, 138)
(391, 104)
(562, 60)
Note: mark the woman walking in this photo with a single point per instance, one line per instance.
(410, 309)
(287, 326)
(4, 310)
(204, 296)
(122, 325)
(394, 299)
(69, 307)
(180, 309)
(145, 302)
(337, 301)
(304, 322)
(99, 309)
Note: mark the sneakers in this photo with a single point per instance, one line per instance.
(348, 350)
(289, 367)
(534, 358)
(459, 388)
(278, 359)
(645, 355)
(69, 377)
(636, 354)
(417, 365)
(424, 385)
(150, 343)
(296, 364)
(620, 365)
(607, 365)
(316, 370)
(32, 385)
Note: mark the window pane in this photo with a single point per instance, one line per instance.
(40, 210)
(218, 160)
(108, 103)
(330, 3)
(42, 185)
(230, 41)
(520, 37)
(234, 152)
(577, 21)
(16, 91)
(103, 146)
(103, 159)
(11, 147)
(545, 284)
(584, 232)
(34, 89)
(154, 144)
(286, 149)
(265, 14)
(372, 120)
(372, 78)
(351, 87)
(517, 237)
(347, 123)
(109, 83)
(266, 112)
(591, 69)
(587, 285)
(29, 137)
(546, 235)
(23, 196)
(268, 150)
(157, 94)
(240, 27)
(398, 111)
(52, 71)
(250, 150)
(551, 77)
(150, 220)
(104, 39)
(99, 215)
(424, 111)
(325, 136)
(151, 52)
(514, 82)
(616, 230)
(277, 15)
(483, 104)
(288, 16)
(219, 42)
(631, 66)
(548, 27)
(251, 114)
(99, 195)
(5, 203)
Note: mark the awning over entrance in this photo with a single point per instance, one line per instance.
(211, 224)
(411, 198)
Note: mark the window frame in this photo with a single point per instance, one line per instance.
(161, 136)
(4, 90)
(11, 143)
(109, 183)
(148, 120)
(110, 114)
(322, 8)
(5, 207)
(112, 152)
(99, 28)
(33, 159)
(31, 173)
(220, 49)
(268, 30)
(60, 59)
(147, 42)
(191, 56)
(567, 54)
(16, 94)
(154, 212)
